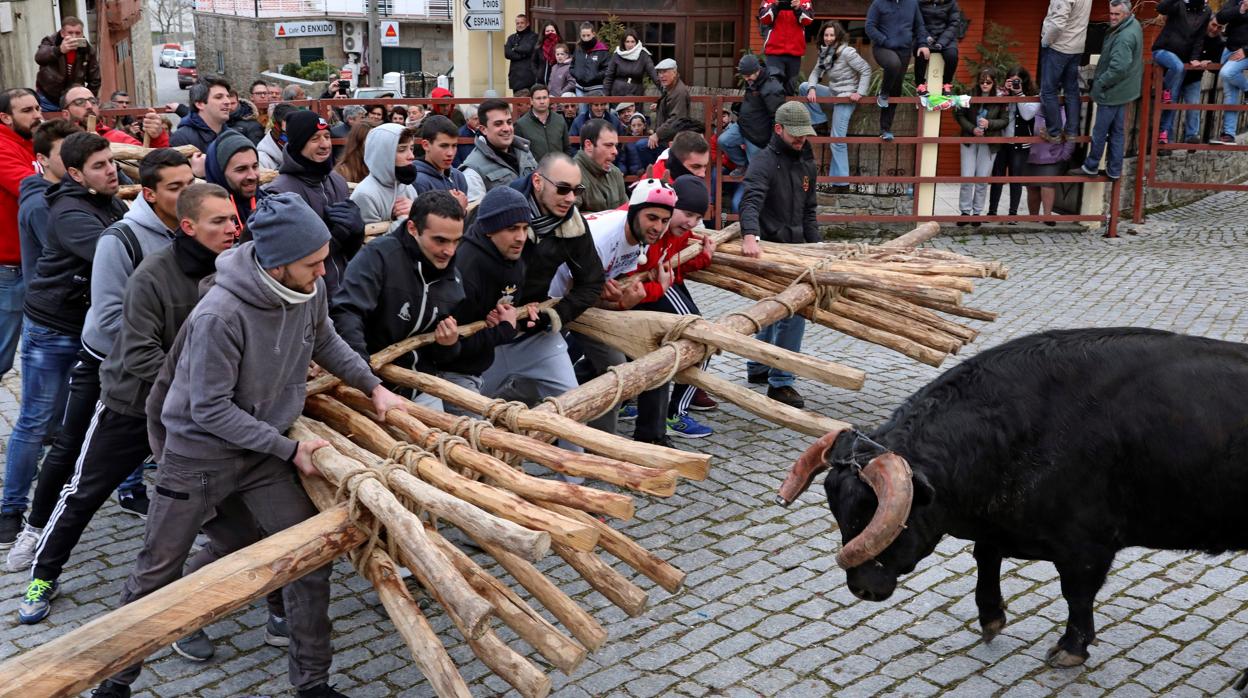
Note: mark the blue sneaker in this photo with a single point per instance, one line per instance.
(627, 413)
(688, 427)
(886, 136)
(37, 603)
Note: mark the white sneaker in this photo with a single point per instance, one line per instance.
(22, 554)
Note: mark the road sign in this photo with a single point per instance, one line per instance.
(284, 30)
(389, 32)
(484, 6)
(484, 22)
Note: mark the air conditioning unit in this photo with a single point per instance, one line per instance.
(353, 37)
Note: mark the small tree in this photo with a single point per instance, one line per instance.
(612, 31)
(995, 50)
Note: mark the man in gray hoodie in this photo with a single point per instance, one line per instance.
(233, 382)
(386, 193)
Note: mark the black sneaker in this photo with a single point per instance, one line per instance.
(753, 378)
(788, 395)
(10, 525)
(664, 440)
(134, 502)
(276, 632)
(196, 647)
(322, 691)
(111, 689)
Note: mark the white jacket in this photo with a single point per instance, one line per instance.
(1065, 27)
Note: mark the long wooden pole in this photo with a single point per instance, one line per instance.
(77, 660)
(625, 548)
(796, 419)
(566, 426)
(617, 472)
(585, 498)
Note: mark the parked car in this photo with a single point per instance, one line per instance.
(172, 57)
(187, 73)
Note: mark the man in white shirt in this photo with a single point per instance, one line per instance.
(620, 236)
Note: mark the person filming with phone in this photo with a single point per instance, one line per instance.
(65, 59)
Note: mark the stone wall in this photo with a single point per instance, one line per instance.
(1183, 166)
(245, 46)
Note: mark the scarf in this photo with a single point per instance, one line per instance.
(632, 54)
(827, 58)
(195, 260)
(405, 174)
(543, 223)
(312, 171)
(549, 42)
(289, 296)
(509, 157)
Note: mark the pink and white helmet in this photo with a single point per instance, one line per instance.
(652, 192)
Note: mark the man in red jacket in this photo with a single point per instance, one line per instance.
(785, 22)
(19, 115)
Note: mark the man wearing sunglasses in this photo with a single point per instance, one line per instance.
(536, 364)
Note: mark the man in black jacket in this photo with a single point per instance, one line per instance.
(536, 365)
(406, 284)
(80, 207)
(781, 181)
(492, 272)
(763, 96)
(519, 49)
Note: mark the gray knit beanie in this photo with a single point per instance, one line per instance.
(502, 208)
(285, 229)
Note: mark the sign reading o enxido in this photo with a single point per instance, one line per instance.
(285, 30)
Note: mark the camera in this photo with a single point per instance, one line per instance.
(1014, 83)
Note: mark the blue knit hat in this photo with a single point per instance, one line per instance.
(502, 208)
(285, 229)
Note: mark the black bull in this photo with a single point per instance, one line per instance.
(1065, 446)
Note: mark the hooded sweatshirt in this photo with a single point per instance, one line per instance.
(488, 279)
(32, 221)
(60, 292)
(376, 194)
(111, 269)
(193, 130)
(214, 172)
(428, 178)
(235, 379)
(270, 152)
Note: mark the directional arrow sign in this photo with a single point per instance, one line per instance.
(484, 22)
(484, 6)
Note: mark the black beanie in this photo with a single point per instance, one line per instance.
(300, 127)
(691, 194)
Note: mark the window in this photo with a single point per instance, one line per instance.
(714, 54)
(400, 60)
(308, 55)
(660, 39)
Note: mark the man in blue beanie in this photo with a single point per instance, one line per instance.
(233, 383)
(406, 284)
(492, 272)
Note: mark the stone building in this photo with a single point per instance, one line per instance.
(241, 38)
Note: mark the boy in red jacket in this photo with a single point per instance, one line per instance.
(785, 42)
(657, 414)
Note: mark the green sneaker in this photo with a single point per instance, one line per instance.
(37, 603)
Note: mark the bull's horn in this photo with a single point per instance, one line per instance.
(889, 475)
(811, 463)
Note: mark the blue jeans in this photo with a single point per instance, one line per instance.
(786, 334)
(730, 142)
(1060, 71)
(47, 356)
(1191, 120)
(1171, 81)
(12, 293)
(1233, 85)
(817, 113)
(1107, 132)
(841, 114)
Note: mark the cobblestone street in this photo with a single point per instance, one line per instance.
(765, 611)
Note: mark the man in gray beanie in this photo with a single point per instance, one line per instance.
(232, 384)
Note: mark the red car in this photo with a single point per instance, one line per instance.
(187, 73)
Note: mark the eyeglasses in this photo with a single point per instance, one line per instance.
(563, 188)
(83, 101)
(987, 82)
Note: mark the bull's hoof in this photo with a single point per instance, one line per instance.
(991, 629)
(1061, 659)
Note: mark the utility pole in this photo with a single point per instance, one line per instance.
(374, 44)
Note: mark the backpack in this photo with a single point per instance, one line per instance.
(123, 232)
